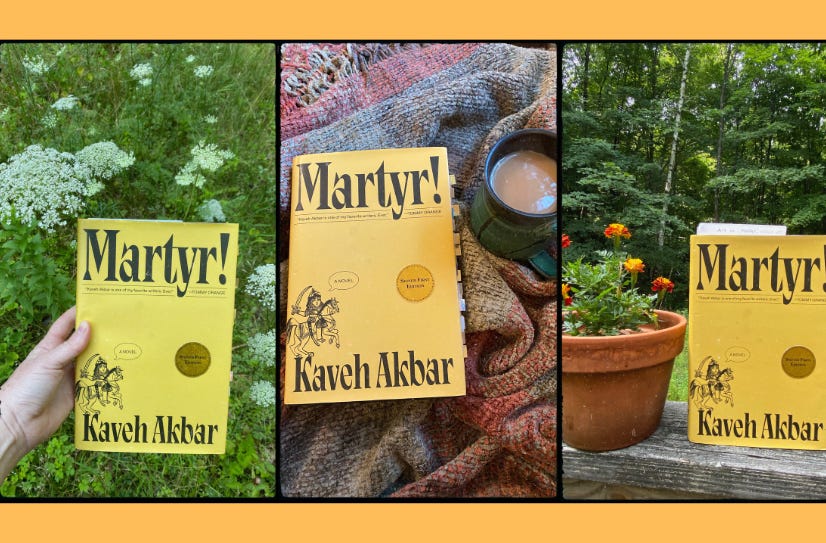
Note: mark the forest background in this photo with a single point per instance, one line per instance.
(663, 136)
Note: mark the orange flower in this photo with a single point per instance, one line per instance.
(567, 299)
(566, 241)
(661, 283)
(634, 265)
(616, 231)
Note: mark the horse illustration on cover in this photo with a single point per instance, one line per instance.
(715, 385)
(101, 387)
(315, 322)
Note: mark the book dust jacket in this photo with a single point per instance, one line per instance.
(757, 347)
(160, 300)
(374, 304)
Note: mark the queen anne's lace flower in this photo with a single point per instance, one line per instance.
(262, 393)
(189, 176)
(105, 159)
(262, 347)
(44, 186)
(49, 120)
(209, 157)
(205, 157)
(210, 119)
(211, 211)
(203, 71)
(66, 103)
(261, 285)
(141, 71)
(35, 65)
(190, 58)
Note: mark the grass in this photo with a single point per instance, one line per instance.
(678, 386)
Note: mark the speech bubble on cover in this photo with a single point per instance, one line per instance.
(737, 354)
(127, 351)
(343, 280)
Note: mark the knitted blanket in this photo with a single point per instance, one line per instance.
(500, 439)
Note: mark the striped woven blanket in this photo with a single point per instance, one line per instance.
(500, 439)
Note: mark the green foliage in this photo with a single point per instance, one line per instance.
(33, 279)
(678, 386)
(230, 107)
(604, 300)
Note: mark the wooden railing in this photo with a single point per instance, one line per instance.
(667, 466)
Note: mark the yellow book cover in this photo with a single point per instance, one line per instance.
(757, 350)
(160, 298)
(374, 305)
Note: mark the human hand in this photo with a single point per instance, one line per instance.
(39, 395)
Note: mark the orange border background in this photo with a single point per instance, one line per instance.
(422, 19)
(425, 20)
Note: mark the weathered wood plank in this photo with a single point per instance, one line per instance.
(668, 463)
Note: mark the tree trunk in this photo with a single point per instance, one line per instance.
(652, 92)
(586, 67)
(673, 158)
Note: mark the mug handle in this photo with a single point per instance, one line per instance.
(544, 263)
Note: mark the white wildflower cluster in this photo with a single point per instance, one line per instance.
(190, 59)
(105, 159)
(211, 211)
(4, 113)
(203, 71)
(262, 393)
(142, 73)
(35, 65)
(44, 186)
(209, 119)
(49, 120)
(205, 157)
(262, 347)
(261, 285)
(66, 103)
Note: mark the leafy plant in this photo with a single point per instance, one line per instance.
(32, 278)
(601, 298)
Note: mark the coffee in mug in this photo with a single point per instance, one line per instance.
(513, 214)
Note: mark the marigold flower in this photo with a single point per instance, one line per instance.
(661, 283)
(616, 230)
(566, 241)
(634, 265)
(567, 299)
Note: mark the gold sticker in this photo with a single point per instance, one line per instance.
(192, 359)
(414, 283)
(798, 362)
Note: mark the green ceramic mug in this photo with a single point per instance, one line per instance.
(516, 218)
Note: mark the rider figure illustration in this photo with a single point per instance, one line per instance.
(312, 312)
(99, 376)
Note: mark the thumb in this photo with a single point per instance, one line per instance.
(64, 354)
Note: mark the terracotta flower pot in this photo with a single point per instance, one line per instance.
(614, 387)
